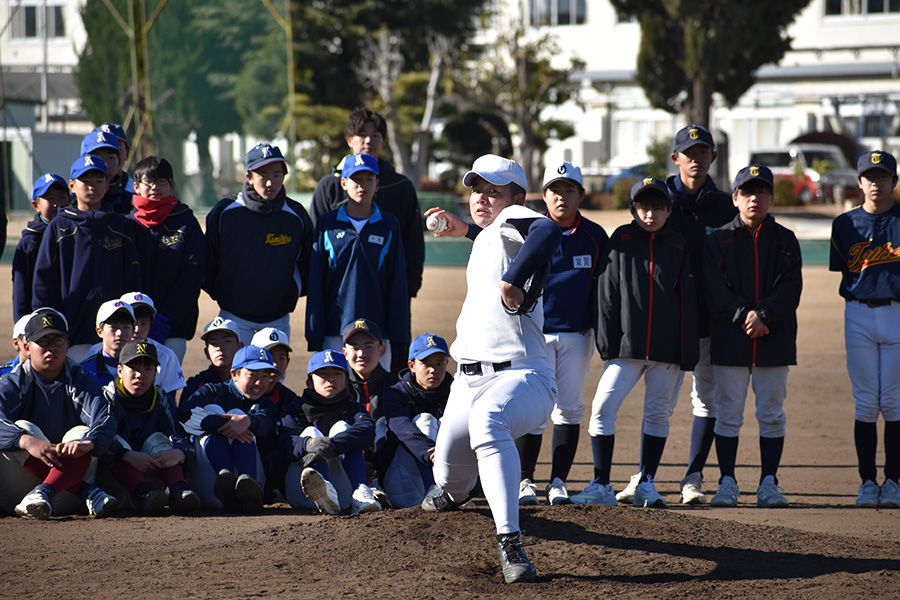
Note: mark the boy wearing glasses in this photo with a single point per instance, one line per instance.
(172, 252)
(53, 420)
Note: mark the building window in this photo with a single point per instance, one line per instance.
(28, 21)
(861, 7)
(557, 12)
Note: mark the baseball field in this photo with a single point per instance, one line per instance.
(820, 547)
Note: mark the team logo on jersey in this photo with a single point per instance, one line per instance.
(376, 239)
(328, 358)
(582, 262)
(694, 133)
(754, 171)
(277, 240)
(876, 158)
(111, 244)
(863, 258)
(172, 240)
(561, 169)
(359, 162)
(430, 343)
(46, 322)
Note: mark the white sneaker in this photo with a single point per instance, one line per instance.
(626, 496)
(35, 505)
(769, 495)
(890, 494)
(363, 500)
(527, 493)
(596, 493)
(99, 503)
(692, 489)
(727, 494)
(319, 490)
(645, 495)
(869, 494)
(557, 492)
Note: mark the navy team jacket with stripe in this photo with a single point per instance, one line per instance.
(357, 275)
(23, 266)
(647, 306)
(570, 292)
(85, 259)
(759, 271)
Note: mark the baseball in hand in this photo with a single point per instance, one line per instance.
(436, 223)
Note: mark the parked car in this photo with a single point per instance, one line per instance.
(800, 162)
(635, 172)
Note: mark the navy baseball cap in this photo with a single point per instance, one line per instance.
(691, 136)
(359, 162)
(327, 358)
(45, 182)
(138, 349)
(254, 358)
(753, 172)
(565, 171)
(497, 170)
(116, 130)
(99, 139)
(646, 184)
(261, 155)
(876, 159)
(362, 325)
(43, 322)
(86, 163)
(427, 344)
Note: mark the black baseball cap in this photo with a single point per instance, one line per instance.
(752, 172)
(44, 322)
(366, 325)
(876, 159)
(690, 136)
(138, 349)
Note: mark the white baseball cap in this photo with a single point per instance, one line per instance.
(564, 170)
(269, 337)
(111, 307)
(497, 170)
(134, 298)
(220, 324)
(19, 327)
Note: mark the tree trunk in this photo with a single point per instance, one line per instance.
(696, 110)
(439, 46)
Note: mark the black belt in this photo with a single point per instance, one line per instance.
(875, 303)
(475, 368)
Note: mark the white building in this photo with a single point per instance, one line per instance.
(843, 74)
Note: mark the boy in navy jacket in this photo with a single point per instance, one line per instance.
(325, 433)
(172, 251)
(49, 194)
(647, 327)
(570, 295)
(413, 408)
(358, 268)
(258, 248)
(87, 256)
(752, 282)
(147, 440)
(229, 422)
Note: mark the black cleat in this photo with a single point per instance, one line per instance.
(153, 502)
(437, 500)
(516, 566)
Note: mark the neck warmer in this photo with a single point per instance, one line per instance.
(151, 213)
(143, 403)
(254, 201)
(315, 406)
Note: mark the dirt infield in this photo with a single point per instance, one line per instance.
(820, 547)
